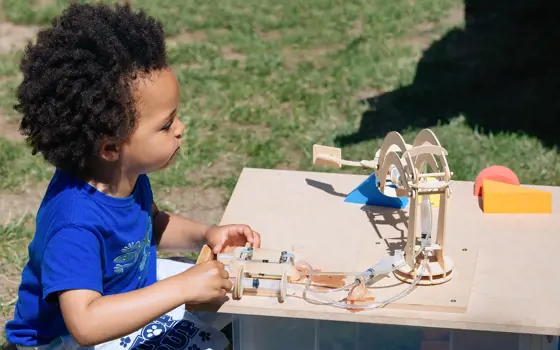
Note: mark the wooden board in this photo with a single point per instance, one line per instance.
(504, 279)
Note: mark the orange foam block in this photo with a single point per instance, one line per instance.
(499, 197)
(497, 173)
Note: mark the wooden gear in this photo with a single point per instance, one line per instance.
(403, 165)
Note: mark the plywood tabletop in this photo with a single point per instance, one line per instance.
(505, 278)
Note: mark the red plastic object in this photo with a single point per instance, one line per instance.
(497, 173)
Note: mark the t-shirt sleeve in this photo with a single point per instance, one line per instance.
(71, 260)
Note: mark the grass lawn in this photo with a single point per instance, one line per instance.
(263, 80)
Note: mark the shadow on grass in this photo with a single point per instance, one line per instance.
(7, 346)
(501, 72)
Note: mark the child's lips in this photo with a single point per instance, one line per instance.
(176, 151)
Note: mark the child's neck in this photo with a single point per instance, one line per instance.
(115, 183)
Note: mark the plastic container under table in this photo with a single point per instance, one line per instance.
(251, 332)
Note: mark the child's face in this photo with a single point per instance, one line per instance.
(157, 137)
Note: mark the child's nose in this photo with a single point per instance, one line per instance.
(179, 129)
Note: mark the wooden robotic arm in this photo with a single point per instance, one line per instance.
(269, 272)
(403, 166)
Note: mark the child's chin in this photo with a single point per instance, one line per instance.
(169, 162)
(166, 165)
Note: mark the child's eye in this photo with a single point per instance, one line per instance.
(168, 125)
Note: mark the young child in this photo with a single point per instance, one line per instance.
(99, 101)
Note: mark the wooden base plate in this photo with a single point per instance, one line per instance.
(433, 273)
(332, 235)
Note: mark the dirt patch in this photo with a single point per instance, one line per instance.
(9, 282)
(419, 41)
(456, 16)
(293, 157)
(293, 57)
(230, 54)
(260, 132)
(293, 163)
(255, 101)
(278, 34)
(358, 28)
(220, 169)
(425, 33)
(15, 205)
(14, 37)
(272, 35)
(9, 129)
(195, 36)
(367, 94)
(41, 4)
(201, 204)
(187, 38)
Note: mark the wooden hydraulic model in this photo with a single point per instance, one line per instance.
(401, 171)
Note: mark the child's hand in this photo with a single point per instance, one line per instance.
(221, 237)
(206, 282)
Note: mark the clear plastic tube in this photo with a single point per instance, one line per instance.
(337, 303)
(382, 267)
(395, 175)
(226, 256)
(395, 267)
(327, 291)
(426, 228)
(319, 294)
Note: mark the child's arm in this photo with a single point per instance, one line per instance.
(94, 319)
(72, 270)
(177, 233)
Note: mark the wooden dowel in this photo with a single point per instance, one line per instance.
(434, 174)
(362, 164)
(420, 193)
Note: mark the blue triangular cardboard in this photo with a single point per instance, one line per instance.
(368, 193)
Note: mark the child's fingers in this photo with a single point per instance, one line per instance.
(256, 239)
(244, 230)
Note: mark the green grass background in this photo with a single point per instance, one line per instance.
(262, 81)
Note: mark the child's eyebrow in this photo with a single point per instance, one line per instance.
(171, 115)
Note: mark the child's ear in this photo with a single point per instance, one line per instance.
(109, 151)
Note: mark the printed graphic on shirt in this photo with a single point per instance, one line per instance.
(167, 333)
(133, 251)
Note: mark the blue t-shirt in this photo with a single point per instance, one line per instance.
(84, 239)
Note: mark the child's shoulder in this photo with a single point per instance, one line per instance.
(72, 202)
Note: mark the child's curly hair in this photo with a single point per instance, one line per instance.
(77, 81)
